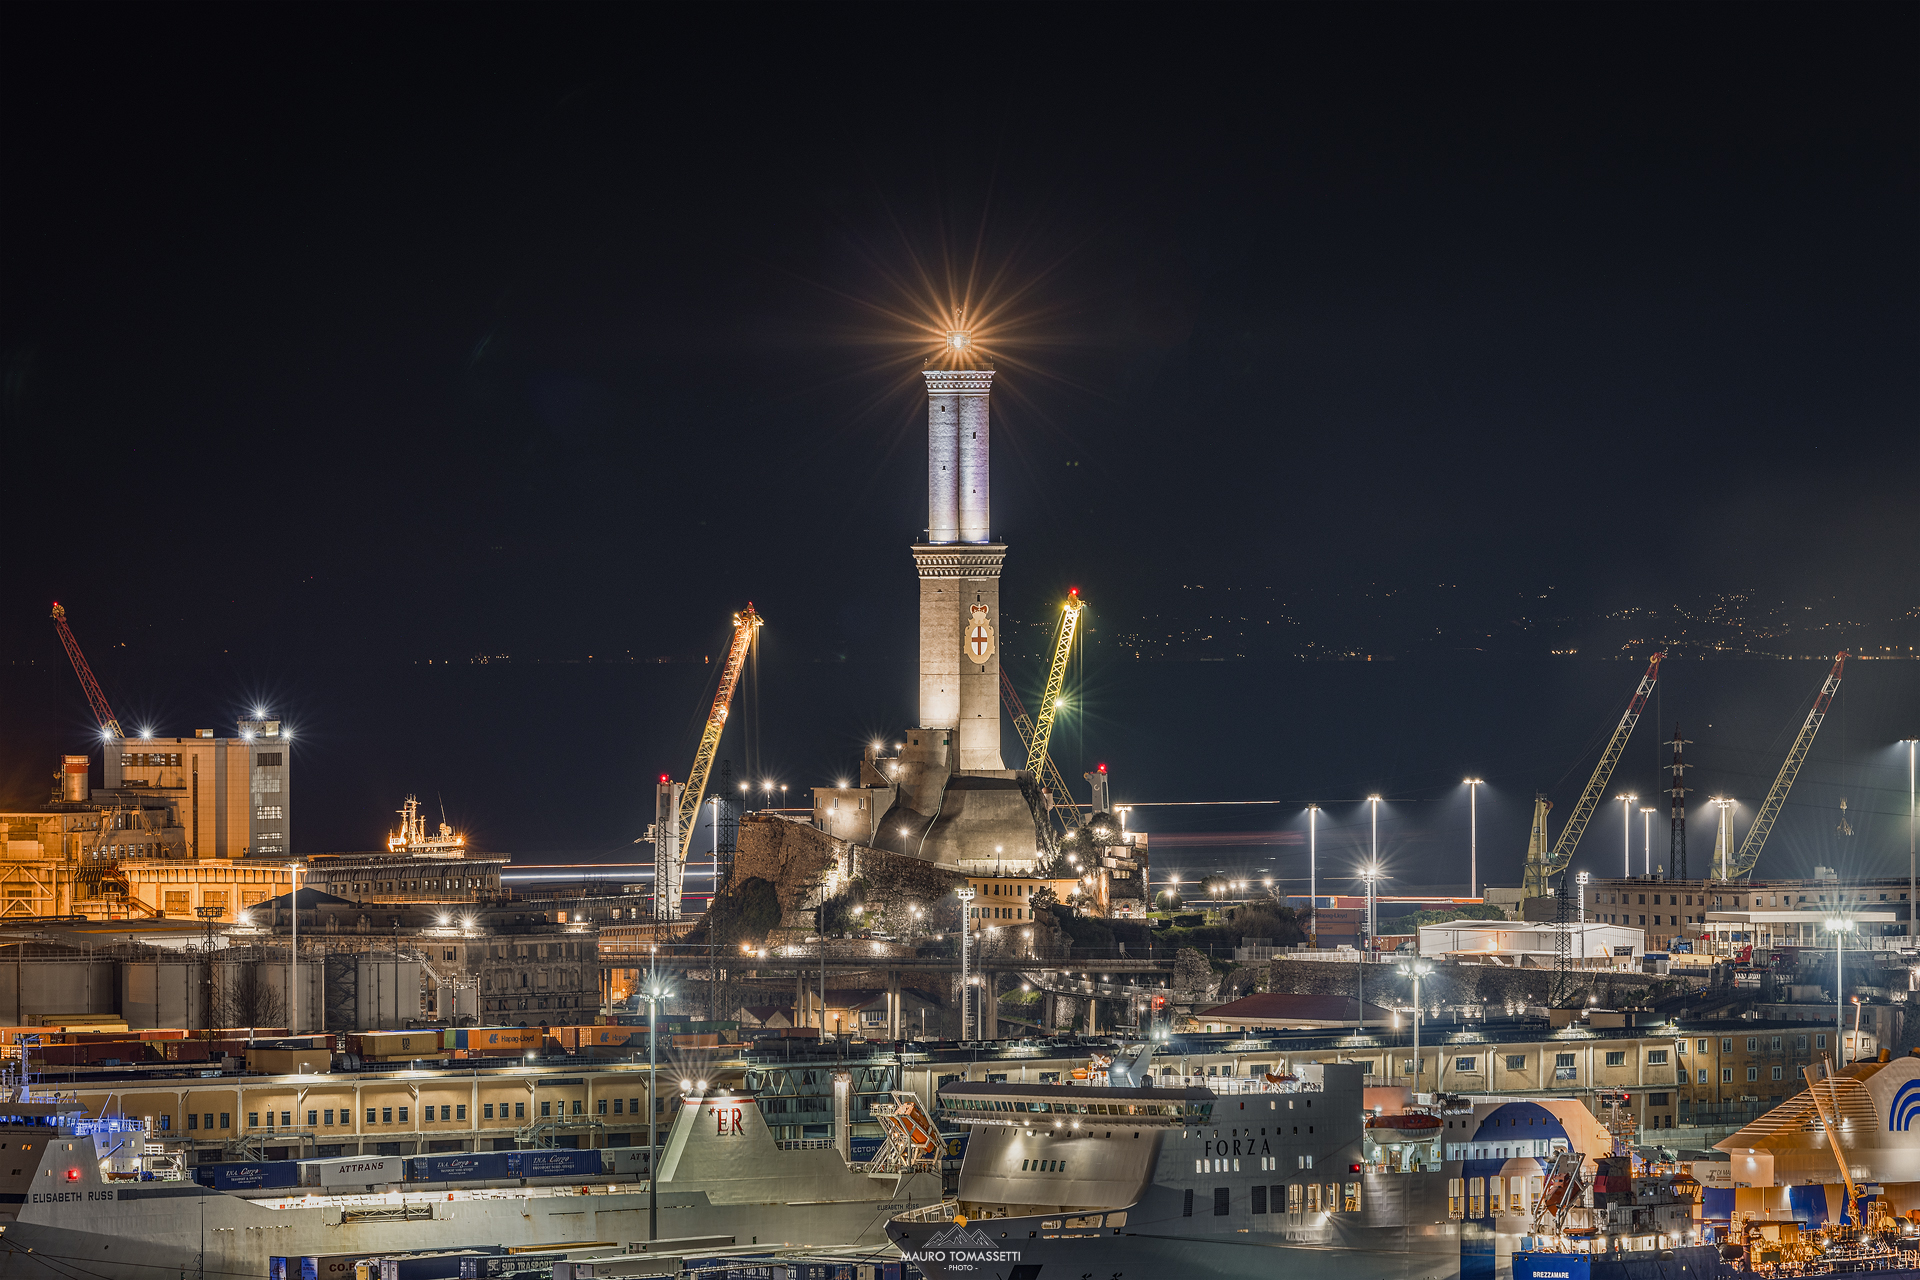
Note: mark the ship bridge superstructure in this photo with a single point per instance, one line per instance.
(1075, 1106)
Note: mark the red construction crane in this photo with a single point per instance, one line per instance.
(95, 699)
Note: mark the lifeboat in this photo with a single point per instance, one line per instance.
(1281, 1081)
(1413, 1126)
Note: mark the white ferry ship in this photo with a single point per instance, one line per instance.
(83, 1200)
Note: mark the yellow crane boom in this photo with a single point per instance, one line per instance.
(1056, 679)
(1023, 725)
(1763, 821)
(745, 624)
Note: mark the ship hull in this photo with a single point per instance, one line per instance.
(197, 1234)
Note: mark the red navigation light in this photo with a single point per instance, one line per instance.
(1353, 1168)
(1102, 768)
(1074, 592)
(664, 779)
(73, 1175)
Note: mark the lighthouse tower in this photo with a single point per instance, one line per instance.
(959, 563)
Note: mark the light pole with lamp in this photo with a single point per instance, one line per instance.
(1373, 858)
(1646, 825)
(1313, 884)
(1473, 836)
(293, 964)
(1839, 927)
(1416, 969)
(965, 895)
(654, 992)
(1723, 838)
(1626, 834)
(1913, 886)
(1582, 879)
(1360, 1014)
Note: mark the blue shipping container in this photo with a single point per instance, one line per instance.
(559, 1162)
(468, 1166)
(247, 1177)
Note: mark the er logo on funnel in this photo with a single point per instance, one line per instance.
(978, 638)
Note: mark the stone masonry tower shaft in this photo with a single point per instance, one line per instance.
(959, 564)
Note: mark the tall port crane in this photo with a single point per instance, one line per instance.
(1056, 680)
(1023, 725)
(95, 699)
(1743, 862)
(1541, 865)
(677, 805)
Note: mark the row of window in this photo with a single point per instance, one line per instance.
(1001, 913)
(1298, 1197)
(269, 812)
(1227, 1164)
(150, 760)
(1472, 1197)
(1772, 900)
(1079, 1108)
(1561, 1061)
(320, 1117)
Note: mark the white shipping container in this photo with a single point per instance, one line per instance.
(356, 1171)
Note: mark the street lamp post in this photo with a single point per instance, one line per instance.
(1583, 879)
(653, 1097)
(966, 897)
(1626, 834)
(1913, 885)
(1313, 883)
(293, 967)
(1374, 858)
(1839, 927)
(1473, 837)
(1723, 838)
(1416, 969)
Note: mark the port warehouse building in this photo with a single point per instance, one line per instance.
(599, 1103)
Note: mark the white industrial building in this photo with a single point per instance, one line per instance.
(1534, 945)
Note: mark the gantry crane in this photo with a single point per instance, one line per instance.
(678, 804)
(1541, 865)
(1749, 854)
(1056, 680)
(95, 699)
(1023, 725)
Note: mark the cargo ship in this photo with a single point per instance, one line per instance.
(95, 1198)
(1312, 1175)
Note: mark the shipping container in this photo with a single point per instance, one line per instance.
(704, 1040)
(258, 1176)
(509, 1267)
(327, 1266)
(466, 1166)
(557, 1162)
(353, 1171)
(426, 1266)
(495, 1042)
(397, 1044)
(627, 1161)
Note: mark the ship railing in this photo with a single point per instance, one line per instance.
(1233, 1084)
(803, 1144)
(940, 1211)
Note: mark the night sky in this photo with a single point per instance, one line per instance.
(1498, 344)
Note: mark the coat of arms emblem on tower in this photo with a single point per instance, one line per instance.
(977, 639)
